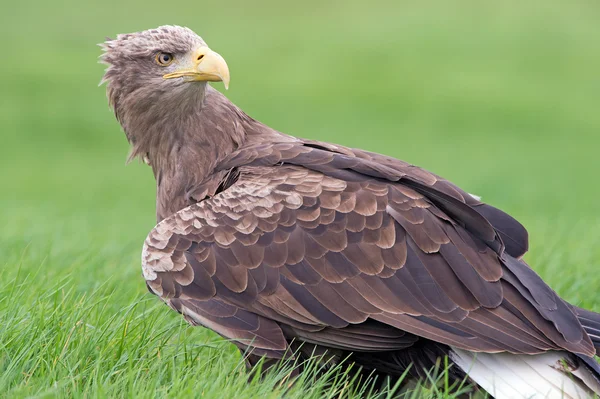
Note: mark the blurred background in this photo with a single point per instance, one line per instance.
(502, 98)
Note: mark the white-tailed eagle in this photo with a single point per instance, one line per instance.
(271, 241)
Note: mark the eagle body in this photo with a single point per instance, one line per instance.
(289, 247)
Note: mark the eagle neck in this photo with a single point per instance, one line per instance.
(189, 150)
(195, 140)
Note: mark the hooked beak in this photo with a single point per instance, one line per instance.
(204, 66)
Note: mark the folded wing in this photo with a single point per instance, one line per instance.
(352, 250)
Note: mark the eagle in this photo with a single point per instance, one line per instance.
(290, 247)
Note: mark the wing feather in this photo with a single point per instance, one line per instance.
(316, 243)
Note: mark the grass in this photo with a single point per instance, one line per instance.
(501, 98)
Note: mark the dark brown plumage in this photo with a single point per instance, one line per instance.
(266, 238)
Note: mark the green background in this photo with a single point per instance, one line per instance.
(502, 98)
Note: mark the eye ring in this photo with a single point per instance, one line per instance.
(164, 59)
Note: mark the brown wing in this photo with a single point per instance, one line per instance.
(335, 249)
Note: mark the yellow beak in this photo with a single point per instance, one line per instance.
(204, 66)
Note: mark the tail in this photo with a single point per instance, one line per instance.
(591, 324)
(546, 375)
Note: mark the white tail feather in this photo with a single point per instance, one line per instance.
(509, 376)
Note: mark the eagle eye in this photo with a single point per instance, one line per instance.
(164, 59)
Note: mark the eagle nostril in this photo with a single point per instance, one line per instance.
(200, 57)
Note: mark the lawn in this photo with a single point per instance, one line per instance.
(502, 98)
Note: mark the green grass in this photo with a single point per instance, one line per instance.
(500, 97)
